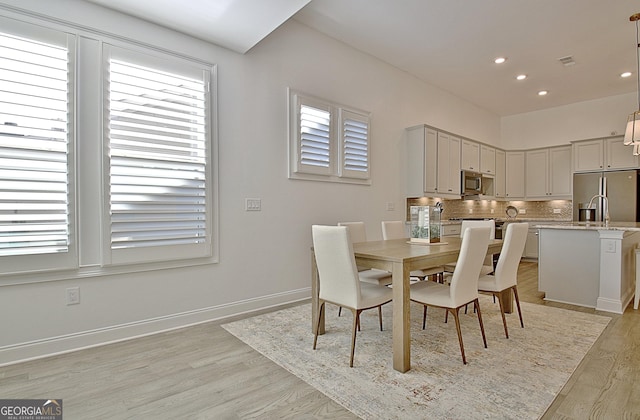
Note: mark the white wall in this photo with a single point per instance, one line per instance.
(264, 256)
(561, 125)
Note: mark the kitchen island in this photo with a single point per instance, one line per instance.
(588, 263)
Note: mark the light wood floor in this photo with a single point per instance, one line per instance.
(204, 372)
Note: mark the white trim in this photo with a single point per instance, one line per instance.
(72, 342)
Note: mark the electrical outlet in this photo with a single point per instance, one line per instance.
(470, 211)
(252, 204)
(391, 206)
(73, 295)
(557, 211)
(522, 211)
(492, 211)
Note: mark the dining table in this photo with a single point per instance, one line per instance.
(400, 257)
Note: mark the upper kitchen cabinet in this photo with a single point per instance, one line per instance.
(514, 181)
(422, 159)
(448, 180)
(470, 156)
(548, 173)
(617, 155)
(433, 163)
(487, 160)
(499, 181)
(602, 155)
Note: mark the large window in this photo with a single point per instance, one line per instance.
(117, 137)
(327, 142)
(36, 132)
(158, 157)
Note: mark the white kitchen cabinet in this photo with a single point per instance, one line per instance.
(603, 155)
(487, 160)
(548, 173)
(537, 173)
(499, 181)
(470, 156)
(450, 229)
(514, 169)
(617, 155)
(531, 246)
(448, 173)
(432, 163)
(560, 172)
(421, 161)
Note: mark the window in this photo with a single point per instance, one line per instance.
(36, 82)
(107, 134)
(158, 158)
(327, 142)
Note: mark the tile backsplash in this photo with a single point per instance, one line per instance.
(549, 210)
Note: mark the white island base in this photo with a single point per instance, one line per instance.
(588, 264)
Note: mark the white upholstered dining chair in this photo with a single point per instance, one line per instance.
(487, 266)
(395, 230)
(464, 283)
(357, 233)
(505, 276)
(338, 279)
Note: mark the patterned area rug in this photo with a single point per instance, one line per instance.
(515, 378)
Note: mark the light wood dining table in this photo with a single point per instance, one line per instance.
(399, 258)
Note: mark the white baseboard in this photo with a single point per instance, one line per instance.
(72, 342)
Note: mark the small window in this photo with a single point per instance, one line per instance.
(327, 142)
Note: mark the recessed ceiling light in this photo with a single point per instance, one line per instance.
(542, 92)
(521, 76)
(626, 74)
(499, 60)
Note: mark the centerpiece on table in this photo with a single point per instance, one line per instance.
(425, 223)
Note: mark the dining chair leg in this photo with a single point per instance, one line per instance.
(339, 310)
(484, 337)
(457, 319)
(446, 316)
(315, 337)
(424, 317)
(380, 316)
(515, 293)
(504, 319)
(356, 318)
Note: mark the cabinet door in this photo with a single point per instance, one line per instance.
(421, 159)
(454, 166)
(470, 156)
(531, 246)
(487, 160)
(448, 164)
(560, 172)
(498, 182)
(514, 182)
(588, 155)
(537, 169)
(619, 156)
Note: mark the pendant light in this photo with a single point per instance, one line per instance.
(632, 133)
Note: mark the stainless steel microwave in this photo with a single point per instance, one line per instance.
(472, 183)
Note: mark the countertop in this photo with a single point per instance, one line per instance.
(625, 226)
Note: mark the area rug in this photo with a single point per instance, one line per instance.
(515, 378)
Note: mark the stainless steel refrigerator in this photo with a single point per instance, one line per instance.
(620, 188)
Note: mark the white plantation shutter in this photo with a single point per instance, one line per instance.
(327, 142)
(158, 149)
(35, 204)
(355, 145)
(315, 145)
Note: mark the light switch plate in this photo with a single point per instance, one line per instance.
(252, 204)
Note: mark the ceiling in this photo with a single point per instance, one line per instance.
(447, 43)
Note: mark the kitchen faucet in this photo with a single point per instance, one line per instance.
(606, 211)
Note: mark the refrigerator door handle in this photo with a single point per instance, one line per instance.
(603, 202)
